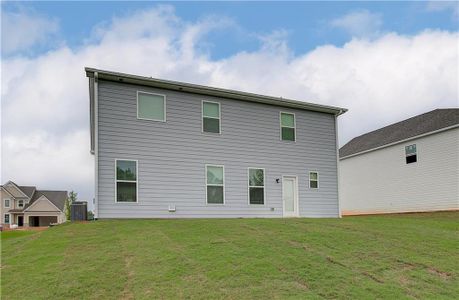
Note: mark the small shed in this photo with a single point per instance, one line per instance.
(79, 211)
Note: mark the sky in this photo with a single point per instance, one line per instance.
(384, 61)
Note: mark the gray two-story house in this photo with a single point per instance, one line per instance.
(166, 149)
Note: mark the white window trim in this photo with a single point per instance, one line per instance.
(22, 203)
(155, 94)
(136, 181)
(9, 203)
(224, 198)
(280, 124)
(309, 180)
(9, 218)
(249, 186)
(219, 117)
(407, 155)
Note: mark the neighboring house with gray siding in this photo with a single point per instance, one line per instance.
(26, 206)
(167, 149)
(409, 166)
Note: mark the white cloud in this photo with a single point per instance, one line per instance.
(24, 28)
(361, 23)
(45, 112)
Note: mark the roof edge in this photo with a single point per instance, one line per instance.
(401, 141)
(211, 91)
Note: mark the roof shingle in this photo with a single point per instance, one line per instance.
(421, 124)
(58, 198)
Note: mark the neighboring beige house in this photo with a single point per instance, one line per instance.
(27, 206)
(409, 166)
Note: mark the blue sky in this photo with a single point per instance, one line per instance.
(384, 61)
(306, 24)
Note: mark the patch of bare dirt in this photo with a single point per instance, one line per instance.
(441, 274)
(127, 293)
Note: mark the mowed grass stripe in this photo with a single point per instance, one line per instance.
(393, 256)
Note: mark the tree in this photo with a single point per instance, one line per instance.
(73, 196)
(71, 199)
(67, 209)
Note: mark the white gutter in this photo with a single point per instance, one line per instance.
(96, 145)
(401, 141)
(211, 91)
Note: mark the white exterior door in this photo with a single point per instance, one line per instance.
(290, 196)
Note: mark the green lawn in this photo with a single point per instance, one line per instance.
(392, 257)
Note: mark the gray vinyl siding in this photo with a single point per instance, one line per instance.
(172, 156)
(430, 184)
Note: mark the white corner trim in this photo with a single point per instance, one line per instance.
(402, 141)
(337, 167)
(96, 144)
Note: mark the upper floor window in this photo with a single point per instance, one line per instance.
(313, 180)
(410, 154)
(20, 203)
(256, 186)
(126, 181)
(210, 117)
(215, 184)
(6, 203)
(287, 121)
(151, 106)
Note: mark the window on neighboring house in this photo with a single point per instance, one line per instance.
(126, 181)
(7, 218)
(313, 180)
(20, 203)
(211, 117)
(287, 126)
(151, 106)
(215, 184)
(256, 186)
(410, 154)
(7, 203)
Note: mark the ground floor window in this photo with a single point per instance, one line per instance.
(256, 183)
(313, 180)
(215, 184)
(126, 181)
(7, 219)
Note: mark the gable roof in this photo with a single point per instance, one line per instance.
(96, 74)
(57, 198)
(419, 125)
(28, 190)
(9, 183)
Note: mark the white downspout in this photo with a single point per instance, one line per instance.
(337, 161)
(96, 146)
